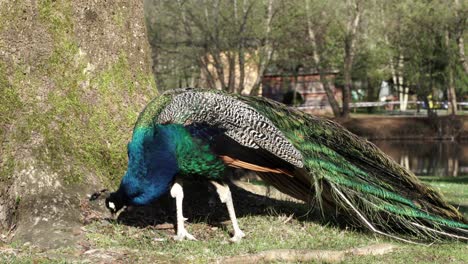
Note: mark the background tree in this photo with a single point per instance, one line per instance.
(212, 43)
(319, 24)
(428, 49)
(355, 9)
(416, 45)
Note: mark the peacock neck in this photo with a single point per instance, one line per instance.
(152, 165)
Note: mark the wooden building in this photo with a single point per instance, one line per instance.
(308, 85)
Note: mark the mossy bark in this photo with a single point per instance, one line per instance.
(73, 77)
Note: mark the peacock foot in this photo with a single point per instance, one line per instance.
(183, 234)
(237, 237)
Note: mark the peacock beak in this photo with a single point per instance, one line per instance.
(97, 194)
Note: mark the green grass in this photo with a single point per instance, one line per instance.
(119, 242)
(454, 189)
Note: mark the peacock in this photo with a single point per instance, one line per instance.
(199, 133)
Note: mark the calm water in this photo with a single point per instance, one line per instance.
(431, 158)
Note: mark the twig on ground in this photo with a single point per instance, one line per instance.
(294, 255)
(164, 226)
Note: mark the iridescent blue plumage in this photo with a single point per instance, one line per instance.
(152, 165)
(157, 154)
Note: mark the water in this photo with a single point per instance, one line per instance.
(429, 158)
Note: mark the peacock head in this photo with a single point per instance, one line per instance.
(152, 166)
(114, 202)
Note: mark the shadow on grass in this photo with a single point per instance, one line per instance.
(201, 204)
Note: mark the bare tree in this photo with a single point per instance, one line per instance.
(317, 57)
(265, 51)
(355, 10)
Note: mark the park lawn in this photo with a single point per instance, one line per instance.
(454, 189)
(112, 242)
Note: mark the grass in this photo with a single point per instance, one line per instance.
(454, 189)
(116, 242)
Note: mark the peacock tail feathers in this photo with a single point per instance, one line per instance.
(313, 159)
(363, 181)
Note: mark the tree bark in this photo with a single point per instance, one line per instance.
(66, 61)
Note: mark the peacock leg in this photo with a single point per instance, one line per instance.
(225, 196)
(178, 193)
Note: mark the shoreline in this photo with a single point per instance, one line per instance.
(401, 128)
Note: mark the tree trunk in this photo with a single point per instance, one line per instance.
(459, 38)
(391, 61)
(349, 46)
(348, 84)
(78, 72)
(451, 95)
(316, 49)
(265, 52)
(330, 94)
(231, 58)
(404, 90)
(452, 108)
(394, 77)
(217, 51)
(241, 59)
(461, 52)
(204, 62)
(219, 67)
(241, 48)
(213, 52)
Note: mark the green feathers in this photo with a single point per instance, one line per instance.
(147, 117)
(194, 157)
